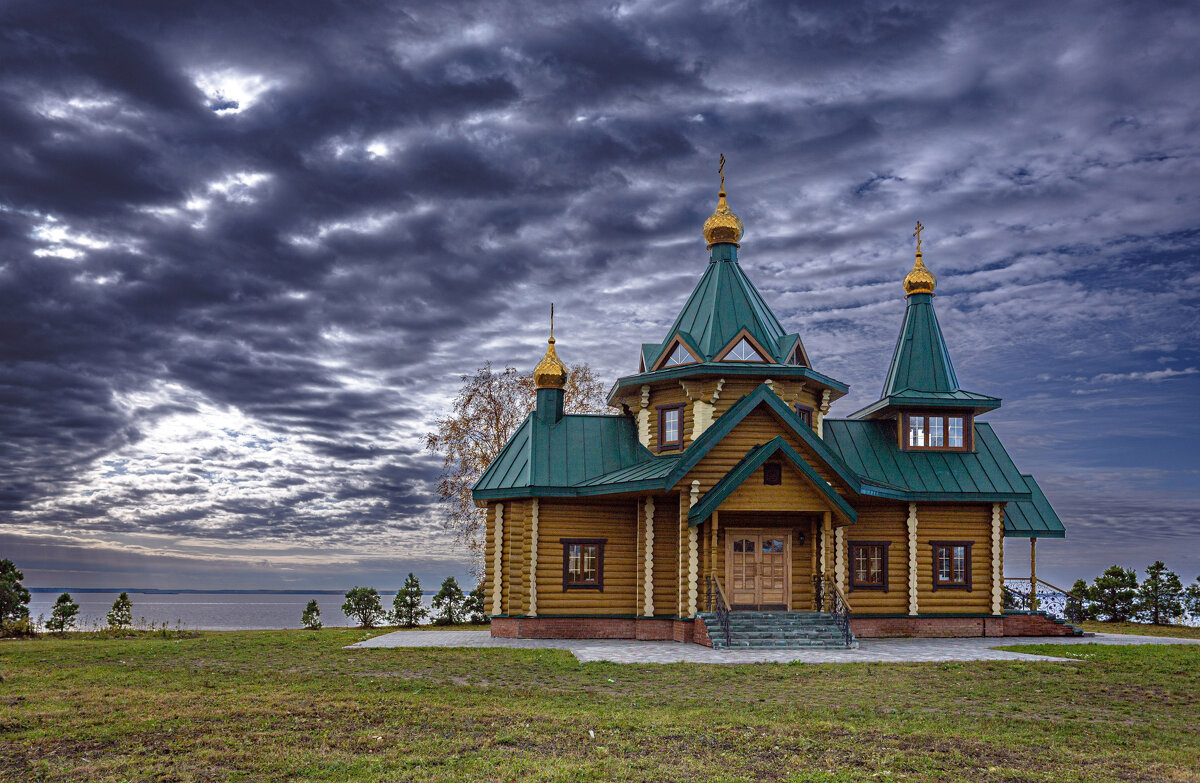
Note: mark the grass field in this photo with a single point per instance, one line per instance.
(294, 705)
(1144, 629)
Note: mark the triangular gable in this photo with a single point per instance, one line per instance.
(679, 340)
(745, 468)
(791, 350)
(744, 338)
(742, 408)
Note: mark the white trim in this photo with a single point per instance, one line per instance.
(648, 586)
(912, 559)
(997, 559)
(533, 558)
(497, 560)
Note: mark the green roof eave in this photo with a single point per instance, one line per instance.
(956, 400)
(753, 460)
(730, 369)
(1032, 517)
(740, 409)
(646, 485)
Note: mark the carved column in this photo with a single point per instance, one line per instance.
(533, 558)
(912, 559)
(703, 404)
(997, 559)
(693, 553)
(643, 417)
(822, 409)
(648, 582)
(497, 557)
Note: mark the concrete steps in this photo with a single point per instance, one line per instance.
(776, 630)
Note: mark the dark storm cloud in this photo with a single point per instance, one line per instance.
(246, 251)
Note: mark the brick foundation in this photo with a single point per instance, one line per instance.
(646, 629)
(945, 627)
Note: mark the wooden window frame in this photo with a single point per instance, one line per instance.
(567, 543)
(968, 430)
(773, 470)
(854, 584)
(661, 362)
(674, 445)
(940, 585)
(805, 412)
(755, 344)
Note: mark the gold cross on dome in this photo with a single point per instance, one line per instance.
(721, 171)
(917, 234)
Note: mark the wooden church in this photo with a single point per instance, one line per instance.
(720, 503)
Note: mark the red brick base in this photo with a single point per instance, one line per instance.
(1009, 625)
(646, 629)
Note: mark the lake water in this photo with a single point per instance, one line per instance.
(208, 611)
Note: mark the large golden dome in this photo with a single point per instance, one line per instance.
(722, 225)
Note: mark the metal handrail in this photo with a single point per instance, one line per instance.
(1028, 598)
(716, 603)
(840, 609)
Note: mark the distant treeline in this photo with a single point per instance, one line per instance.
(163, 591)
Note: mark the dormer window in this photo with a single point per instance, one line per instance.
(743, 352)
(670, 427)
(679, 356)
(936, 431)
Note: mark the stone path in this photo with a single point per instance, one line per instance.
(869, 650)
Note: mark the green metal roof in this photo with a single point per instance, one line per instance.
(870, 449)
(730, 370)
(752, 462)
(1033, 518)
(921, 373)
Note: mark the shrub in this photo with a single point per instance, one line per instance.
(1114, 594)
(1191, 599)
(364, 605)
(448, 603)
(14, 598)
(311, 616)
(1161, 595)
(120, 616)
(62, 617)
(406, 608)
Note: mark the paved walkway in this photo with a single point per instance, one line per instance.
(869, 651)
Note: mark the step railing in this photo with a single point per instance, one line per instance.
(715, 602)
(828, 597)
(1032, 597)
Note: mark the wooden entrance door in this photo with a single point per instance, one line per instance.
(758, 567)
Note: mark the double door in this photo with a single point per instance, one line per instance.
(758, 568)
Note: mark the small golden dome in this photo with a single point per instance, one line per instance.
(722, 225)
(550, 372)
(920, 280)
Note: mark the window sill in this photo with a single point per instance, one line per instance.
(877, 588)
(600, 588)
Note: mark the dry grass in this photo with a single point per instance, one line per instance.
(294, 705)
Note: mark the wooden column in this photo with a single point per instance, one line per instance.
(648, 581)
(532, 549)
(497, 559)
(826, 535)
(693, 552)
(997, 559)
(712, 556)
(1033, 602)
(913, 606)
(839, 559)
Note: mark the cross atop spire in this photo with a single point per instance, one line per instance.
(721, 171)
(917, 234)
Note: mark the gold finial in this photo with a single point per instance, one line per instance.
(722, 225)
(920, 280)
(550, 372)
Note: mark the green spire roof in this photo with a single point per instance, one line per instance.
(921, 361)
(921, 373)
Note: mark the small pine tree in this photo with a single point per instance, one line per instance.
(448, 603)
(14, 598)
(1114, 594)
(406, 607)
(365, 606)
(311, 616)
(62, 616)
(473, 608)
(1161, 594)
(1077, 609)
(1191, 599)
(121, 614)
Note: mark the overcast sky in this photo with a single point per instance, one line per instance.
(246, 250)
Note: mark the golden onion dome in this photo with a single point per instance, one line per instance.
(722, 225)
(550, 372)
(920, 280)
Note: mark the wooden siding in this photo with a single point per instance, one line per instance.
(881, 523)
(955, 522)
(789, 391)
(614, 520)
(666, 554)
